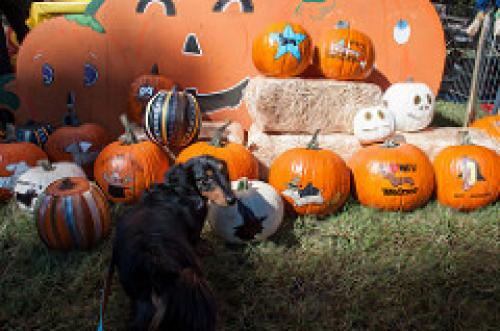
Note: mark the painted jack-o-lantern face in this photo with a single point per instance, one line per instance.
(412, 105)
(120, 177)
(373, 124)
(205, 46)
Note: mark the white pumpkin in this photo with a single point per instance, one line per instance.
(412, 105)
(35, 180)
(373, 124)
(255, 216)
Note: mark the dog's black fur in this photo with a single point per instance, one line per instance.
(155, 249)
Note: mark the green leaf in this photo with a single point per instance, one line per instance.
(86, 20)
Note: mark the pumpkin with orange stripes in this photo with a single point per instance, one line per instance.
(72, 213)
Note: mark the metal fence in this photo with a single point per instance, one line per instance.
(460, 60)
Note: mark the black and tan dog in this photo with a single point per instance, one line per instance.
(155, 248)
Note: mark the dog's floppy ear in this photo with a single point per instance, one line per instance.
(177, 176)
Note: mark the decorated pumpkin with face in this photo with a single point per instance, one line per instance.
(205, 47)
(412, 105)
(373, 124)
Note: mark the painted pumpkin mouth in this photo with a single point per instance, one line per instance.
(26, 198)
(116, 191)
(385, 126)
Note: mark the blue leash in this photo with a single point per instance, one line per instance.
(105, 294)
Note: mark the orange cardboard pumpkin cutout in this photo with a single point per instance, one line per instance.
(205, 46)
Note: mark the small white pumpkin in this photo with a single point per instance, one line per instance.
(31, 184)
(373, 124)
(412, 105)
(255, 216)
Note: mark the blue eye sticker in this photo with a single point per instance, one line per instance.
(402, 32)
(90, 74)
(47, 74)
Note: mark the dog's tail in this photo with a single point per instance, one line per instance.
(187, 302)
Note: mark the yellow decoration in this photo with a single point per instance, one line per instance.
(41, 11)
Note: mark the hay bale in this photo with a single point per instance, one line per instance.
(295, 105)
(267, 147)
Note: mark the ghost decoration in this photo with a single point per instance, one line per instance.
(412, 105)
(255, 216)
(373, 124)
(31, 184)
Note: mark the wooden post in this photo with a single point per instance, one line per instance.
(470, 114)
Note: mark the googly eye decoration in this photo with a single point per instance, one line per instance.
(90, 74)
(402, 32)
(47, 74)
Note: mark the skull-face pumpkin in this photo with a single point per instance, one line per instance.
(373, 124)
(205, 46)
(412, 105)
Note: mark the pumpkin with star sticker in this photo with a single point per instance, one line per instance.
(282, 50)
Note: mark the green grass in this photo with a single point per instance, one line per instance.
(431, 269)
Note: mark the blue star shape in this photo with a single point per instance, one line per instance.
(288, 42)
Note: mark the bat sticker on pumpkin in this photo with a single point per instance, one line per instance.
(246, 6)
(305, 196)
(389, 170)
(80, 152)
(252, 225)
(169, 6)
(470, 173)
(224, 99)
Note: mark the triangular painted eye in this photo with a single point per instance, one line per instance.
(246, 6)
(47, 74)
(142, 6)
(192, 46)
(90, 74)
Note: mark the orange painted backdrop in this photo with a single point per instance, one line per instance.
(133, 41)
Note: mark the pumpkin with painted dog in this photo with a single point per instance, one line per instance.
(142, 90)
(15, 159)
(412, 105)
(76, 142)
(31, 184)
(282, 50)
(373, 124)
(311, 180)
(125, 168)
(172, 118)
(208, 48)
(35, 133)
(490, 124)
(257, 214)
(239, 160)
(345, 53)
(467, 176)
(72, 213)
(392, 176)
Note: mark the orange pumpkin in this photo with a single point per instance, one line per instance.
(282, 50)
(125, 168)
(346, 54)
(75, 142)
(72, 213)
(142, 90)
(392, 176)
(15, 159)
(311, 180)
(239, 160)
(467, 176)
(490, 124)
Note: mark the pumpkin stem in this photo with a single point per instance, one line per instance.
(71, 118)
(242, 184)
(10, 133)
(130, 137)
(155, 70)
(465, 138)
(46, 165)
(314, 143)
(66, 184)
(216, 140)
(394, 141)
